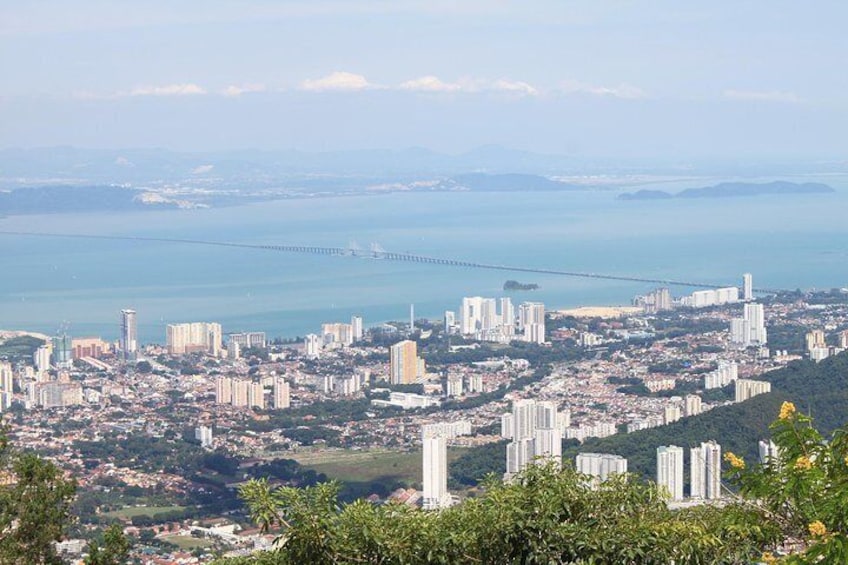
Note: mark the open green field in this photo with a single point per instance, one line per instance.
(368, 466)
(130, 511)
(187, 542)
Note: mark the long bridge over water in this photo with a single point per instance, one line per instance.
(377, 252)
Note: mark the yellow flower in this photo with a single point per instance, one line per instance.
(803, 463)
(735, 461)
(768, 558)
(846, 459)
(817, 529)
(787, 409)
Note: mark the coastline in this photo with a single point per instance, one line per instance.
(605, 312)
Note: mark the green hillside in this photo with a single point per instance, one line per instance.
(819, 389)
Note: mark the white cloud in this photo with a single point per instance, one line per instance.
(762, 96)
(338, 80)
(623, 90)
(430, 83)
(202, 169)
(183, 89)
(233, 90)
(515, 87)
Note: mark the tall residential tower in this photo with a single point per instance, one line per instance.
(129, 334)
(670, 470)
(435, 468)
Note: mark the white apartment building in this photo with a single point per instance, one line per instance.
(670, 470)
(748, 388)
(435, 469)
(705, 471)
(194, 337)
(600, 466)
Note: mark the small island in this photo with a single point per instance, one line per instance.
(515, 285)
(732, 189)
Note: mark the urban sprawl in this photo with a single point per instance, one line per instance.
(421, 386)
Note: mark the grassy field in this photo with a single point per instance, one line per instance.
(367, 466)
(187, 542)
(130, 511)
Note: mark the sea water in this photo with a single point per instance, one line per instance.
(788, 242)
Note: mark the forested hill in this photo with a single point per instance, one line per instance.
(732, 189)
(820, 389)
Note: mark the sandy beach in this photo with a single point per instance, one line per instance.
(606, 312)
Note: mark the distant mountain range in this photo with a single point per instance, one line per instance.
(55, 198)
(732, 189)
(262, 168)
(333, 170)
(65, 198)
(504, 183)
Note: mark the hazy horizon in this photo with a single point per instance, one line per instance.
(589, 80)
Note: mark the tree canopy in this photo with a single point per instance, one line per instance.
(790, 509)
(547, 515)
(35, 501)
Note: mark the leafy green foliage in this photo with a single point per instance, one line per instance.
(325, 411)
(819, 388)
(547, 515)
(34, 507)
(803, 488)
(155, 454)
(114, 551)
(471, 467)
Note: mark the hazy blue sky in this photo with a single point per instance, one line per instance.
(727, 79)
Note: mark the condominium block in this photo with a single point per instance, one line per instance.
(747, 388)
(747, 287)
(434, 469)
(282, 393)
(600, 465)
(224, 390)
(454, 386)
(670, 470)
(312, 345)
(403, 361)
(41, 358)
(256, 396)
(534, 428)
(356, 325)
(478, 315)
(671, 414)
(715, 297)
(705, 471)
(531, 320)
(248, 339)
(337, 334)
(692, 405)
(129, 334)
(450, 321)
(204, 435)
(240, 390)
(92, 347)
(751, 328)
(194, 337)
(726, 373)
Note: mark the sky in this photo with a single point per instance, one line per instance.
(618, 79)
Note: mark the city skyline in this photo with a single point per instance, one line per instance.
(423, 281)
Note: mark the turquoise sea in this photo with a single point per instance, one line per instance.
(785, 241)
